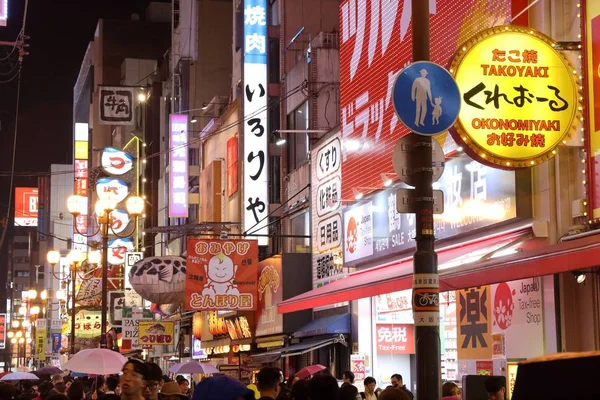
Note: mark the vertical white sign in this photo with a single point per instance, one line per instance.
(256, 134)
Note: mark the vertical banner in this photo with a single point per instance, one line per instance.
(232, 166)
(41, 328)
(256, 132)
(178, 166)
(221, 275)
(26, 206)
(81, 183)
(2, 331)
(474, 323)
(592, 54)
(270, 293)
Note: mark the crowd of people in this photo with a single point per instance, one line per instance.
(145, 381)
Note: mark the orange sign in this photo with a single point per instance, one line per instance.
(221, 274)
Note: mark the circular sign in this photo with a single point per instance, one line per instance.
(519, 97)
(426, 98)
(400, 159)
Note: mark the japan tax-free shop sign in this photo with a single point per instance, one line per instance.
(519, 97)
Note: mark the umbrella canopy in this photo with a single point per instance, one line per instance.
(310, 370)
(194, 367)
(19, 376)
(48, 370)
(96, 361)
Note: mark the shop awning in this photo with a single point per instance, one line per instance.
(264, 358)
(301, 348)
(536, 259)
(334, 325)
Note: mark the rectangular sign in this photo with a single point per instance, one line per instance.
(270, 293)
(375, 44)
(358, 366)
(156, 332)
(474, 334)
(116, 105)
(197, 351)
(221, 274)
(131, 257)
(592, 54)
(395, 339)
(178, 166)
(26, 206)
(40, 342)
(232, 166)
(2, 331)
(326, 175)
(3, 12)
(475, 196)
(87, 324)
(116, 302)
(131, 319)
(256, 131)
(56, 342)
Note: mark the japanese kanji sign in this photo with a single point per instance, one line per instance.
(474, 323)
(40, 339)
(221, 274)
(117, 248)
(519, 97)
(592, 55)
(155, 332)
(116, 105)
(256, 131)
(395, 339)
(2, 331)
(178, 166)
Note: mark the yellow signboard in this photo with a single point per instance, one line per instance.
(511, 378)
(156, 332)
(474, 323)
(519, 97)
(40, 343)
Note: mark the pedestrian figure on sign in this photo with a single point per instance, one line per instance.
(437, 111)
(421, 93)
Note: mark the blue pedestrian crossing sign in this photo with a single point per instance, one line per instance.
(426, 98)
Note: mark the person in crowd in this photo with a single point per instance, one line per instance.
(222, 387)
(268, 383)
(326, 372)
(286, 389)
(68, 381)
(349, 392)
(153, 381)
(450, 390)
(112, 386)
(370, 392)
(44, 390)
(323, 387)
(7, 391)
(348, 378)
(251, 386)
(98, 388)
(56, 378)
(133, 380)
(172, 391)
(76, 391)
(392, 393)
(398, 382)
(27, 392)
(494, 385)
(60, 388)
(184, 384)
(300, 390)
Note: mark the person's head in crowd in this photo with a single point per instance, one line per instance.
(153, 379)
(133, 379)
(326, 372)
(348, 377)
(222, 387)
(27, 386)
(392, 393)
(60, 388)
(76, 391)
(289, 384)
(98, 384)
(450, 389)
(494, 386)
(44, 389)
(397, 381)
(112, 383)
(300, 390)
(172, 391)
(165, 379)
(57, 378)
(323, 387)
(268, 382)
(348, 392)
(184, 384)
(68, 381)
(370, 384)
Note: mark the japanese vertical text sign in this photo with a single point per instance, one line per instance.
(375, 44)
(592, 54)
(178, 166)
(26, 206)
(519, 97)
(221, 274)
(256, 134)
(116, 105)
(2, 331)
(474, 323)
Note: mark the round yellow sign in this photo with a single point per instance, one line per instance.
(519, 97)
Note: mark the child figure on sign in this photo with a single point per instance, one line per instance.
(437, 111)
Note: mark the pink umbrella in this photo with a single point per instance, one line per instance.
(96, 361)
(310, 370)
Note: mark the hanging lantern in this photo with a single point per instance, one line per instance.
(197, 325)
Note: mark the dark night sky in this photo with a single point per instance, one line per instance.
(59, 32)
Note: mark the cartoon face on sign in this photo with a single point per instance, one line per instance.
(112, 189)
(116, 162)
(220, 273)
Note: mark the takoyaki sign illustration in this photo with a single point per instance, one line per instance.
(155, 332)
(222, 274)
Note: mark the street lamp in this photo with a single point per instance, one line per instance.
(103, 208)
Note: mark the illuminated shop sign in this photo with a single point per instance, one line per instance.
(178, 167)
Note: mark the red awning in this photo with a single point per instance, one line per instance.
(538, 261)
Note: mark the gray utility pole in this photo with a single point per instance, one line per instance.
(425, 278)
